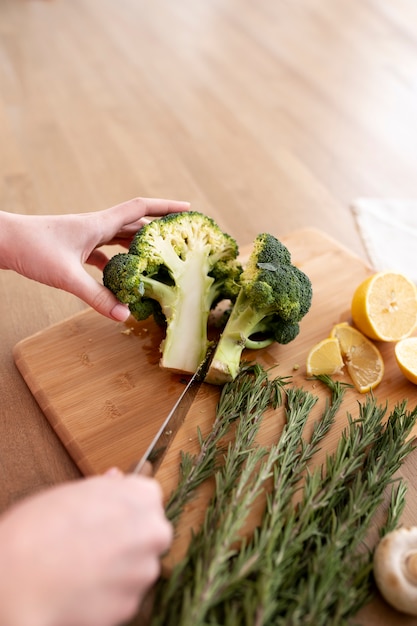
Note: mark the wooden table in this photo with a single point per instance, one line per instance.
(269, 116)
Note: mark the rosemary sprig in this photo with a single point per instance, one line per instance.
(251, 393)
(308, 563)
(292, 457)
(245, 401)
(325, 536)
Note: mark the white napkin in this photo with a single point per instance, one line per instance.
(388, 228)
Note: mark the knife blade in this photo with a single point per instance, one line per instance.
(159, 445)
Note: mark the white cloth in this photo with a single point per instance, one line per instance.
(388, 228)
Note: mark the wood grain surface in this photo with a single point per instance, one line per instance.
(101, 388)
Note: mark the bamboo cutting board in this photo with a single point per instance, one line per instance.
(100, 386)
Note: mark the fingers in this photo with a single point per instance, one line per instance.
(157, 207)
(144, 488)
(123, 220)
(147, 469)
(114, 471)
(132, 211)
(150, 491)
(115, 225)
(97, 296)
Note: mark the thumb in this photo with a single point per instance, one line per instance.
(99, 297)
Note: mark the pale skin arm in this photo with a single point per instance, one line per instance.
(52, 249)
(82, 554)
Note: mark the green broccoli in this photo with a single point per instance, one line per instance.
(273, 298)
(177, 269)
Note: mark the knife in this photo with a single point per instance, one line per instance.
(166, 434)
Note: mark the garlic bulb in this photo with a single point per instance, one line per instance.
(395, 569)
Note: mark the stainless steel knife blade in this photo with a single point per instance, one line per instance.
(166, 433)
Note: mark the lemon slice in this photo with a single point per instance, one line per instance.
(325, 358)
(363, 360)
(406, 355)
(384, 306)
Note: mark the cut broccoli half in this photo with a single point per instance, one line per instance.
(177, 269)
(274, 296)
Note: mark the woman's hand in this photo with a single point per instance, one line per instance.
(53, 249)
(83, 553)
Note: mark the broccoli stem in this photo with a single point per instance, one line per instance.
(240, 325)
(185, 343)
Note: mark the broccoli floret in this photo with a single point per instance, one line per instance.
(177, 269)
(274, 296)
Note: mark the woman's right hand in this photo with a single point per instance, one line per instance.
(82, 554)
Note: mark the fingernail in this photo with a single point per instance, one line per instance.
(120, 312)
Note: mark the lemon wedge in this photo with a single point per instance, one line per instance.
(362, 358)
(325, 358)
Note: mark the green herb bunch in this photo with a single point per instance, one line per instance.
(308, 562)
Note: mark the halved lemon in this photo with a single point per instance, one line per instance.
(384, 306)
(325, 358)
(406, 355)
(363, 360)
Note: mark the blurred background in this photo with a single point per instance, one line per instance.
(275, 114)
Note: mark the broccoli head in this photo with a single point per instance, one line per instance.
(274, 296)
(177, 269)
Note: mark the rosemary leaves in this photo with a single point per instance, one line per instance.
(307, 562)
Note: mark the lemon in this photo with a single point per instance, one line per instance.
(406, 356)
(384, 306)
(363, 360)
(325, 358)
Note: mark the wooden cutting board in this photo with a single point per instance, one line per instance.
(100, 386)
